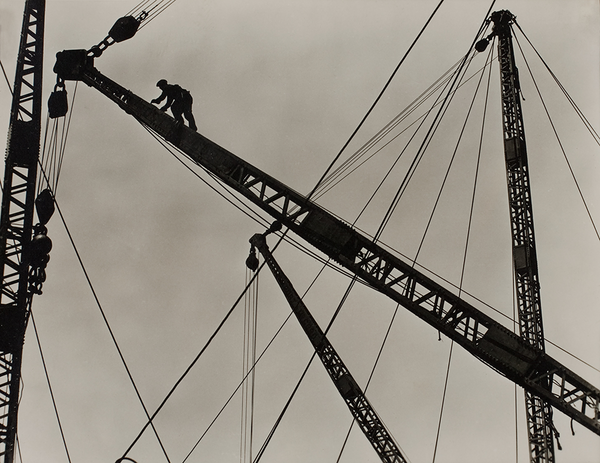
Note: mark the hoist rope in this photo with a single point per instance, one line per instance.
(264, 351)
(439, 425)
(335, 174)
(6, 78)
(421, 150)
(54, 147)
(194, 361)
(368, 383)
(377, 99)
(346, 168)
(441, 111)
(151, 9)
(50, 164)
(469, 225)
(106, 322)
(451, 163)
(413, 261)
(408, 175)
(560, 144)
(579, 112)
(303, 375)
(50, 389)
(248, 370)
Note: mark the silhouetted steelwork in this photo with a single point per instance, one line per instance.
(363, 412)
(20, 280)
(539, 413)
(479, 334)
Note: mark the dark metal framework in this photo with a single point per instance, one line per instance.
(16, 221)
(363, 412)
(479, 334)
(539, 413)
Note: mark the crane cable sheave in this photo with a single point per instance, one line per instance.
(123, 29)
(501, 19)
(257, 241)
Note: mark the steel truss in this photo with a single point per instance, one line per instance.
(479, 334)
(16, 222)
(539, 413)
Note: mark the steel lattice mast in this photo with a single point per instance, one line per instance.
(525, 268)
(21, 276)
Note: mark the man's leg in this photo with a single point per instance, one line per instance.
(190, 118)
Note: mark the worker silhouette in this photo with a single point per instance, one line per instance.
(178, 99)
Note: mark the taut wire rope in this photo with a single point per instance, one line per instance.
(248, 370)
(579, 112)
(433, 126)
(151, 9)
(469, 226)
(295, 390)
(422, 148)
(167, 147)
(399, 118)
(53, 151)
(264, 351)
(560, 144)
(50, 389)
(451, 91)
(346, 169)
(6, 78)
(104, 318)
(381, 93)
(326, 173)
(54, 148)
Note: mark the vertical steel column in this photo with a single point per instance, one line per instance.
(16, 219)
(539, 413)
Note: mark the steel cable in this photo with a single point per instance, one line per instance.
(469, 226)
(377, 99)
(560, 144)
(51, 390)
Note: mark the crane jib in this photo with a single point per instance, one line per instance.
(482, 336)
(363, 412)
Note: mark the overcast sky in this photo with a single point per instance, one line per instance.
(283, 84)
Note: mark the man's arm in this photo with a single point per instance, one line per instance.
(168, 103)
(160, 98)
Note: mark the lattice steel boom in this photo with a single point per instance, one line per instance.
(16, 221)
(363, 412)
(540, 426)
(479, 334)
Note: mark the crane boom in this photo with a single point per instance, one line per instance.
(539, 412)
(18, 274)
(362, 411)
(479, 334)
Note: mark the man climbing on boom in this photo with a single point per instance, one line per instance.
(178, 99)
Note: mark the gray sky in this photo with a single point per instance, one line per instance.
(283, 84)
